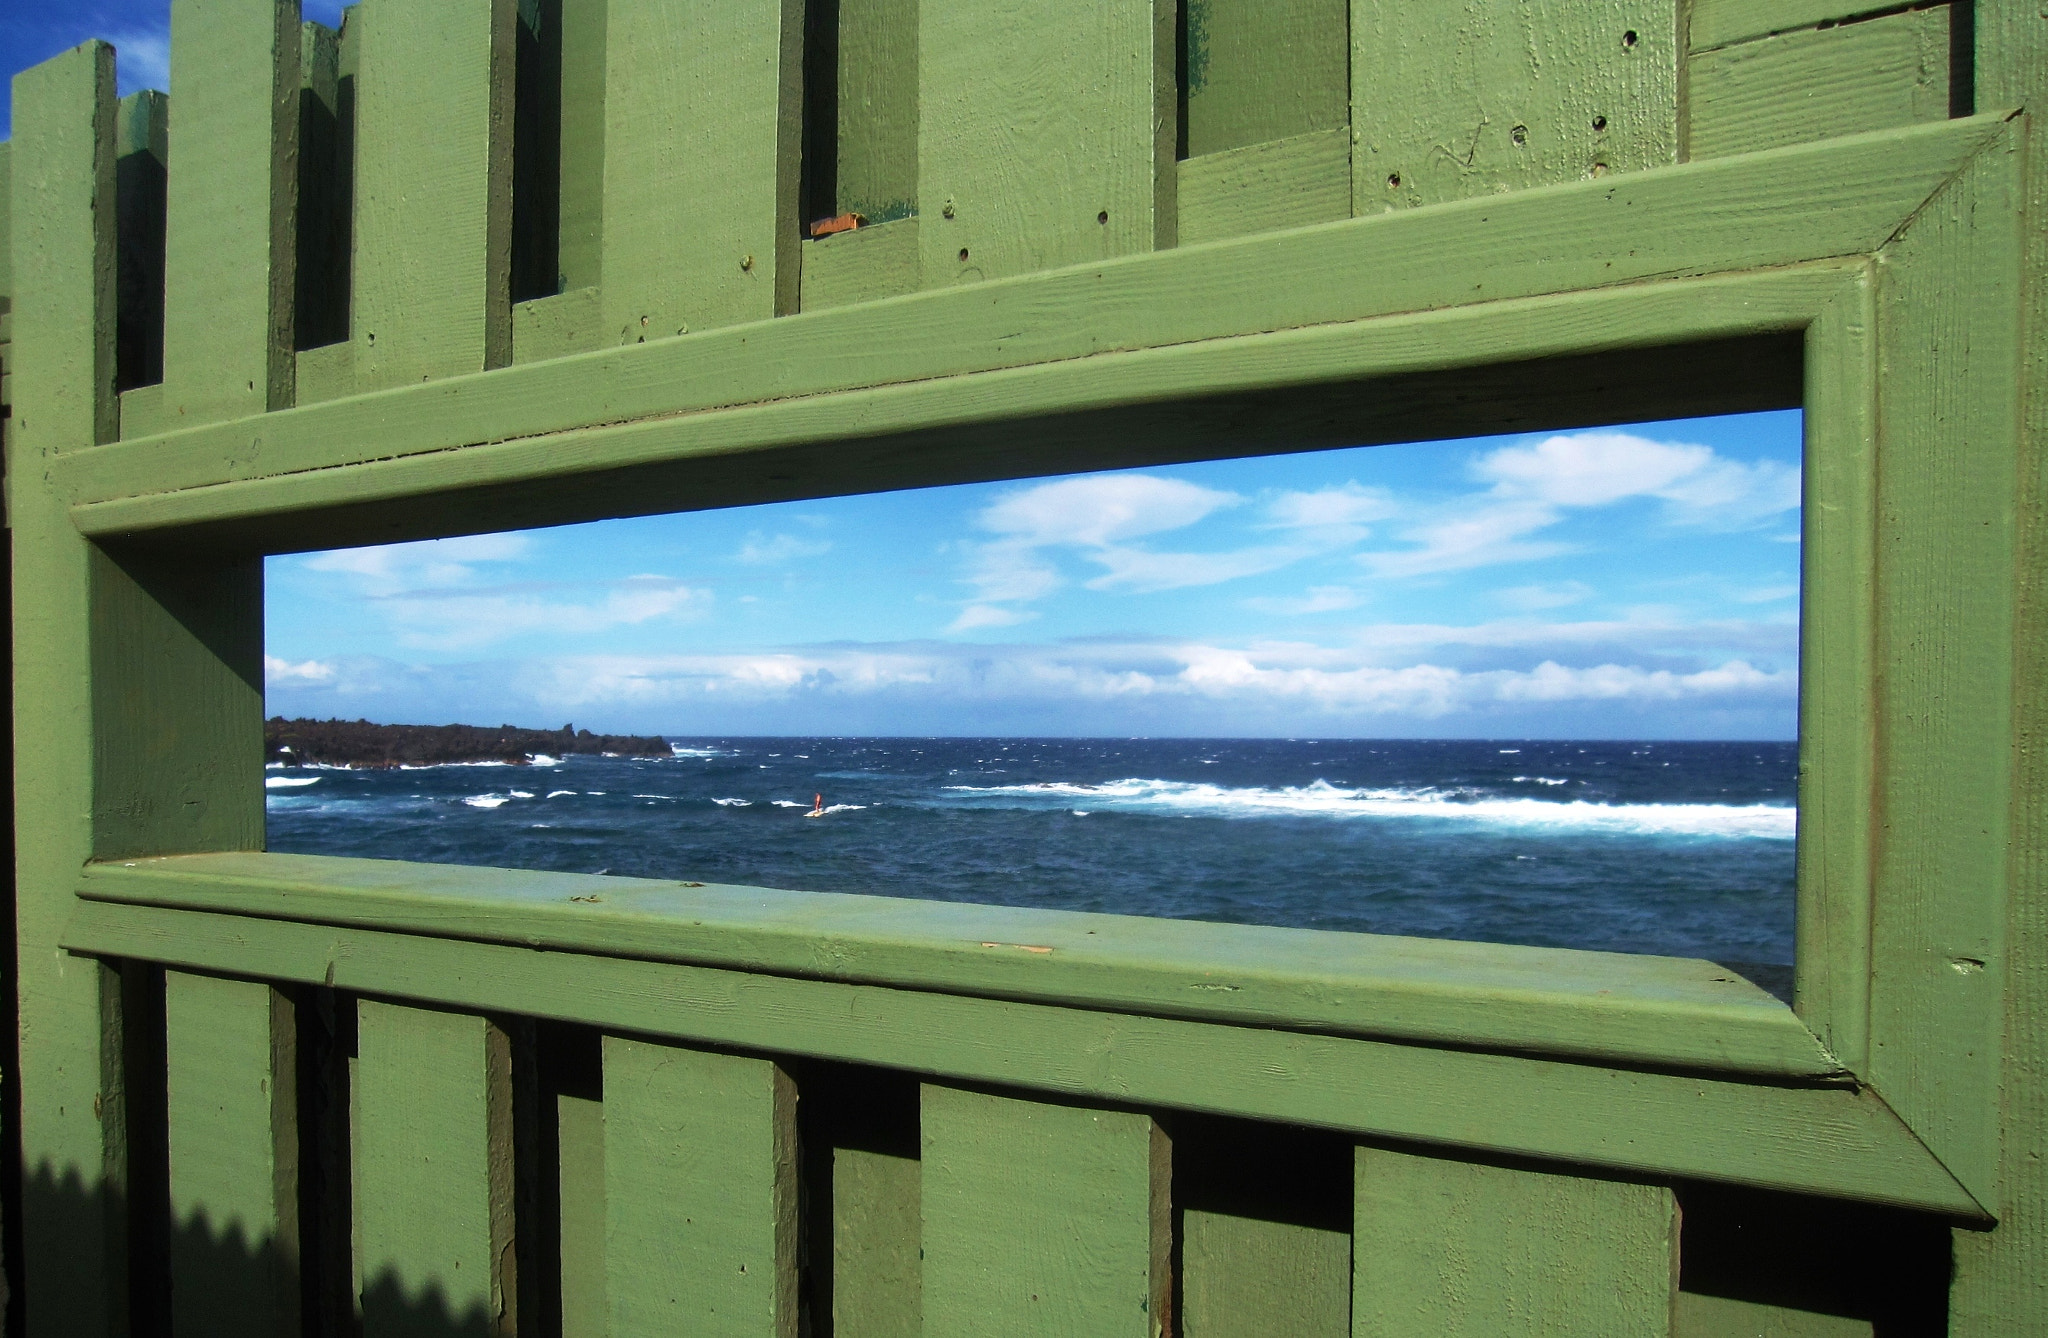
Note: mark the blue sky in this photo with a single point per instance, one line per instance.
(1638, 582)
(32, 31)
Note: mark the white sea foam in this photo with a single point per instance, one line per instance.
(789, 803)
(543, 760)
(677, 750)
(840, 808)
(288, 782)
(1321, 799)
(486, 800)
(1541, 780)
(557, 794)
(734, 803)
(520, 794)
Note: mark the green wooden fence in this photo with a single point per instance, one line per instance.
(472, 265)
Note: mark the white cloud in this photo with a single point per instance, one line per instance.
(1101, 509)
(467, 619)
(391, 568)
(988, 615)
(1535, 485)
(1141, 571)
(142, 58)
(276, 671)
(1347, 505)
(765, 549)
(1318, 599)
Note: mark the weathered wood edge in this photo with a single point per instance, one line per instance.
(1812, 1138)
(1638, 315)
(1839, 198)
(1664, 1011)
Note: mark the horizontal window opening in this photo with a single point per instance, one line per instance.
(1536, 689)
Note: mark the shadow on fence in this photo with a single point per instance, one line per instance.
(218, 1282)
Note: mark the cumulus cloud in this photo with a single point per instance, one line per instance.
(764, 550)
(1535, 486)
(276, 671)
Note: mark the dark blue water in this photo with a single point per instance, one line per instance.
(1676, 848)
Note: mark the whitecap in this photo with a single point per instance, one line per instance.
(557, 794)
(654, 796)
(1321, 799)
(734, 803)
(839, 808)
(1541, 780)
(543, 760)
(789, 803)
(520, 794)
(288, 782)
(485, 800)
(677, 750)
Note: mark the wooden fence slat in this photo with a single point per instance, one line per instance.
(431, 1097)
(1043, 1219)
(231, 223)
(702, 135)
(1243, 1275)
(700, 1193)
(1717, 1317)
(1446, 1248)
(1450, 101)
(876, 1276)
(1810, 85)
(1046, 135)
(62, 382)
(233, 1118)
(433, 213)
(579, 1142)
(1264, 70)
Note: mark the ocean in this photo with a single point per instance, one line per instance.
(1682, 849)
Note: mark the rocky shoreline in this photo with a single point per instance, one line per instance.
(359, 743)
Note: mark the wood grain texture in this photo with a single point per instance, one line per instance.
(1827, 1140)
(1715, 23)
(700, 1193)
(861, 266)
(326, 373)
(1286, 183)
(1039, 139)
(1885, 72)
(432, 1169)
(1839, 198)
(1594, 1005)
(61, 164)
(581, 219)
(877, 96)
(877, 1268)
(231, 227)
(234, 1156)
(1043, 1219)
(1264, 70)
(1455, 101)
(1445, 1248)
(1242, 1276)
(703, 123)
(1999, 1280)
(1945, 643)
(549, 327)
(433, 213)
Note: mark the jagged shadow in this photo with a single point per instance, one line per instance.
(194, 1279)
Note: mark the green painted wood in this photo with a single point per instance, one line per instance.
(1285, 183)
(1886, 72)
(860, 266)
(230, 234)
(1943, 691)
(1260, 70)
(1696, 1316)
(1997, 1280)
(1833, 199)
(1043, 1219)
(234, 1156)
(1716, 23)
(323, 236)
(581, 240)
(1826, 1140)
(433, 212)
(1045, 136)
(142, 411)
(579, 1124)
(1448, 103)
(1838, 754)
(1446, 1248)
(62, 243)
(326, 373)
(877, 1270)
(700, 1192)
(703, 123)
(1595, 1005)
(1240, 1276)
(549, 327)
(141, 153)
(431, 1097)
(877, 97)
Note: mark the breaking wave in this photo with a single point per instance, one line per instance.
(1321, 799)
